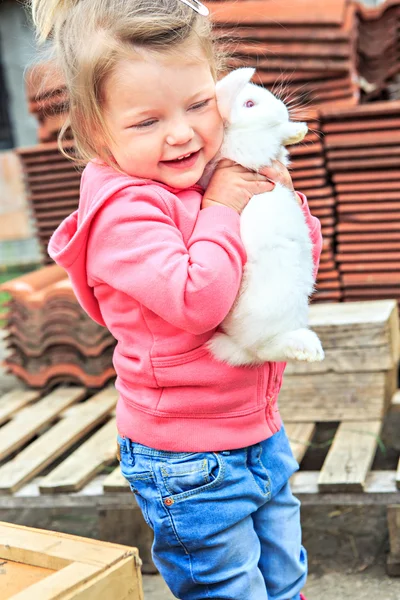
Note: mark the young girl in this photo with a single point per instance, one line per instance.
(159, 260)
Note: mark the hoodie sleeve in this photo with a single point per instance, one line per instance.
(136, 247)
(314, 227)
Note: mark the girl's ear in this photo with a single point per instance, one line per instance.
(229, 87)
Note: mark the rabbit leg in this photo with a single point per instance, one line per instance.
(225, 349)
(300, 344)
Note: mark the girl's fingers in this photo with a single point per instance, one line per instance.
(253, 176)
(224, 163)
(279, 173)
(271, 172)
(264, 186)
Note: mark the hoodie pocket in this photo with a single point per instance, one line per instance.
(195, 383)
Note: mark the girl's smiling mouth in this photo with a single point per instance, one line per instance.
(184, 162)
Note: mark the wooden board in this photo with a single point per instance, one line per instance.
(394, 529)
(336, 396)
(28, 421)
(300, 436)
(13, 401)
(54, 442)
(83, 464)
(346, 360)
(116, 482)
(83, 569)
(15, 577)
(357, 324)
(379, 488)
(350, 457)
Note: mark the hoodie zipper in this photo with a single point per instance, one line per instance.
(271, 396)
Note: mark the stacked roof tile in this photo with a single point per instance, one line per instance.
(307, 46)
(50, 339)
(363, 153)
(47, 99)
(310, 176)
(52, 183)
(378, 45)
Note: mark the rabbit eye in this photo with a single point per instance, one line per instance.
(249, 104)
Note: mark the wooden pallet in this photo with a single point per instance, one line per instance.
(58, 456)
(36, 431)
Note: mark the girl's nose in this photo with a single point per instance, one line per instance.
(180, 133)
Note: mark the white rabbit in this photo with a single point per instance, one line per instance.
(268, 321)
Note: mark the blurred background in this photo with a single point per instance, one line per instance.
(336, 63)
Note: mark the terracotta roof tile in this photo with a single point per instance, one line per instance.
(50, 337)
(61, 373)
(285, 12)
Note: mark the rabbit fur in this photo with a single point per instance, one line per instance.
(269, 319)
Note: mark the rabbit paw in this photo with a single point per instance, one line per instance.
(303, 345)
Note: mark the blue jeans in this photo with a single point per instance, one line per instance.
(226, 524)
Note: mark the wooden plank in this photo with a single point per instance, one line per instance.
(122, 580)
(350, 457)
(116, 482)
(336, 396)
(60, 583)
(29, 420)
(393, 515)
(15, 577)
(52, 444)
(300, 436)
(13, 401)
(380, 488)
(53, 550)
(346, 360)
(81, 466)
(357, 324)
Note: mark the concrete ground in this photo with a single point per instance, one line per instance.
(333, 573)
(372, 584)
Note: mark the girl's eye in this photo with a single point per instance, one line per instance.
(200, 104)
(249, 103)
(144, 124)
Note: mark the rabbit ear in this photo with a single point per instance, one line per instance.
(229, 87)
(296, 132)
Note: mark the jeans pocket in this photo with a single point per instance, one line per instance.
(136, 469)
(192, 474)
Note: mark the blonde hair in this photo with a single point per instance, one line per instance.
(91, 36)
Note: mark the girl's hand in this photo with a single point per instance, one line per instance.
(280, 174)
(232, 185)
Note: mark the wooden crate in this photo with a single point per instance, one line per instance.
(358, 377)
(44, 565)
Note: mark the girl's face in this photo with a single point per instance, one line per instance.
(162, 114)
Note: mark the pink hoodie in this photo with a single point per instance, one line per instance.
(161, 275)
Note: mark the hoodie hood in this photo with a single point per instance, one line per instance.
(68, 244)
